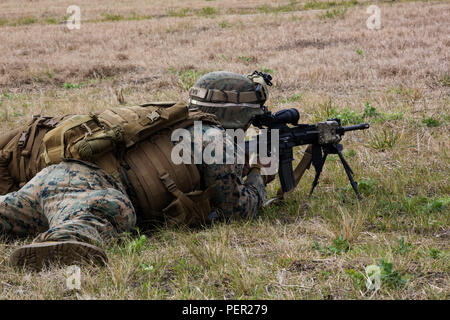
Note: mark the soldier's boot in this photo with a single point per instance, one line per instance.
(37, 255)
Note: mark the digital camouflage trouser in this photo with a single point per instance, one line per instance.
(68, 201)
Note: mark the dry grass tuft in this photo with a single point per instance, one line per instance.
(326, 63)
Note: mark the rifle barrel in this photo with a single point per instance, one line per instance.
(361, 126)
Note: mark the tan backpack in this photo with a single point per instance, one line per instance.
(133, 145)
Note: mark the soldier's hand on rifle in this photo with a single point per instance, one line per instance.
(251, 162)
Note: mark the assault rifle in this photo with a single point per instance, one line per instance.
(324, 138)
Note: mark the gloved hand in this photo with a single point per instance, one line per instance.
(260, 170)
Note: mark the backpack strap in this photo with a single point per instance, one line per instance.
(190, 212)
(5, 176)
(162, 104)
(25, 144)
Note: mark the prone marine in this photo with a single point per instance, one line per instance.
(78, 181)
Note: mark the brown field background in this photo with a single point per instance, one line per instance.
(321, 56)
(307, 53)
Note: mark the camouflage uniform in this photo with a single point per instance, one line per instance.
(69, 201)
(234, 197)
(75, 200)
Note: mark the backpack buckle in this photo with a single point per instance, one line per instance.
(153, 116)
(23, 138)
(168, 182)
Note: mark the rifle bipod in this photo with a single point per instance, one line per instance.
(319, 155)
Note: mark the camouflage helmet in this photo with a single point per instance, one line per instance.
(235, 99)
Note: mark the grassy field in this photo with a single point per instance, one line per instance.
(326, 63)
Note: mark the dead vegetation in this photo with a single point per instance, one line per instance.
(325, 63)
